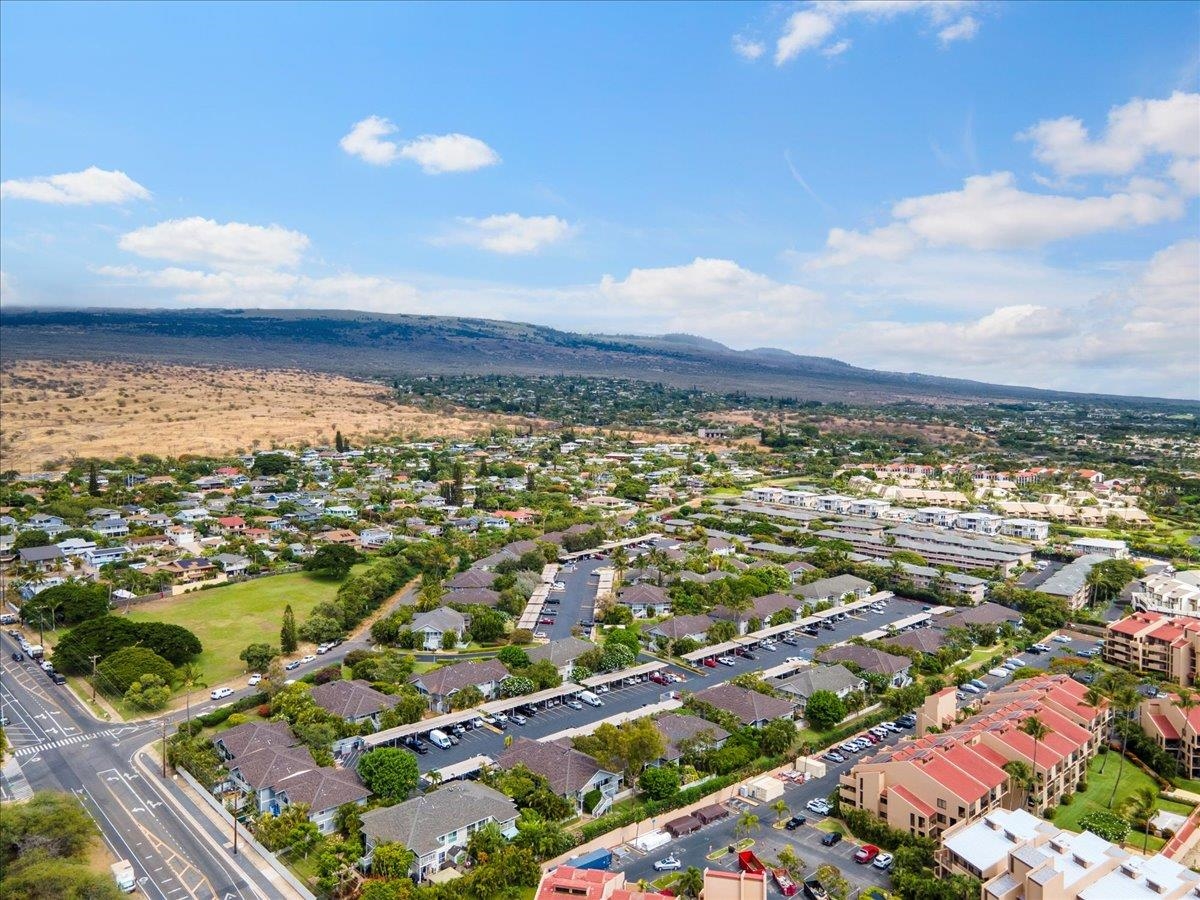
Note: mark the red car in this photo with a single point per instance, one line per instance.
(866, 853)
(658, 678)
(545, 620)
(711, 662)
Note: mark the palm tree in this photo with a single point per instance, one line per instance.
(747, 823)
(690, 883)
(1020, 776)
(620, 562)
(1036, 729)
(781, 809)
(191, 677)
(1125, 699)
(1140, 807)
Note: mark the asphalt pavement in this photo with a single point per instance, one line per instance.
(176, 851)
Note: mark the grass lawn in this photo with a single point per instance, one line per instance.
(1100, 787)
(1187, 784)
(226, 619)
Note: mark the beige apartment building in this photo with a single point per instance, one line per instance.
(1154, 642)
(1018, 856)
(933, 782)
(1175, 730)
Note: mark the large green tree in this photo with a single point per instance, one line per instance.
(288, 640)
(390, 773)
(824, 710)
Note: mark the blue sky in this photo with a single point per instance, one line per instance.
(997, 191)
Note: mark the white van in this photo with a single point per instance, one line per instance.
(439, 739)
(590, 699)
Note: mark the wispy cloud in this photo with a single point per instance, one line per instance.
(436, 154)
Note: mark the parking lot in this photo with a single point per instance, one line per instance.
(805, 841)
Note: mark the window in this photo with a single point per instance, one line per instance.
(941, 803)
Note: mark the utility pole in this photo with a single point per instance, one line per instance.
(93, 658)
(233, 815)
(164, 748)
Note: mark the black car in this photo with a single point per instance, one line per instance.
(795, 822)
(832, 838)
(18, 655)
(57, 679)
(746, 654)
(416, 746)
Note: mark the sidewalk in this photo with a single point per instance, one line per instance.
(149, 762)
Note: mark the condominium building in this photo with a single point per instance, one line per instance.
(1175, 594)
(1174, 729)
(1154, 642)
(1021, 857)
(933, 782)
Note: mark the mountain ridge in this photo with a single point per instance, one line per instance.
(353, 342)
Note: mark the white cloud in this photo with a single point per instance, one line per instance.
(962, 30)
(232, 245)
(365, 141)
(271, 289)
(748, 48)
(92, 185)
(806, 29)
(1136, 338)
(438, 153)
(990, 212)
(715, 297)
(510, 233)
(1135, 131)
(435, 153)
(813, 26)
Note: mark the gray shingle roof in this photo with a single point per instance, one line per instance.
(821, 678)
(749, 706)
(560, 652)
(351, 699)
(323, 788)
(457, 676)
(418, 823)
(255, 735)
(564, 767)
(442, 619)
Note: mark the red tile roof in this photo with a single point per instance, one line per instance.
(913, 800)
(1164, 726)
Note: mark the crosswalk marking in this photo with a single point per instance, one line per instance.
(63, 742)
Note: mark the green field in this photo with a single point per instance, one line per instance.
(226, 619)
(1100, 787)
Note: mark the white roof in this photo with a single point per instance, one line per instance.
(986, 842)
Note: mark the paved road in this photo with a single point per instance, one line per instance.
(175, 850)
(577, 602)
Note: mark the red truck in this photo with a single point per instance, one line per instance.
(751, 863)
(787, 887)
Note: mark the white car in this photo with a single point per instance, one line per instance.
(1062, 639)
(670, 864)
(518, 718)
(221, 693)
(560, 585)
(307, 658)
(726, 660)
(541, 635)
(253, 680)
(323, 649)
(795, 660)
(602, 689)
(820, 807)
(882, 861)
(999, 672)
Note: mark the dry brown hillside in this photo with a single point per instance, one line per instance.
(51, 410)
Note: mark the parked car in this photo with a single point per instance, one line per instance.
(882, 861)
(545, 620)
(726, 660)
(221, 693)
(293, 665)
(832, 838)
(833, 756)
(322, 649)
(574, 704)
(18, 655)
(658, 678)
(794, 660)
(795, 822)
(790, 641)
(541, 634)
(866, 853)
(307, 658)
(253, 680)
(1061, 638)
(710, 662)
(58, 679)
(668, 864)
(820, 806)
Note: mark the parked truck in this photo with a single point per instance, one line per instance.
(122, 873)
(787, 887)
(600, 858)
(751, 863)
